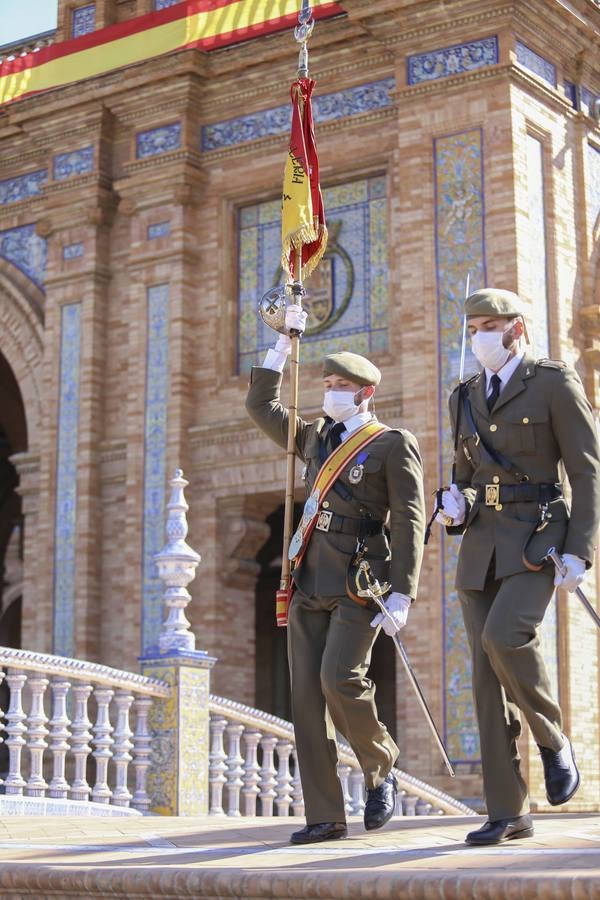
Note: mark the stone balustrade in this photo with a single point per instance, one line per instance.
(26, 45)
(253, 770)
(53, 746)
(49, 735)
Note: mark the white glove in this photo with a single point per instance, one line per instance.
(574, 575)
(284, 344)
(295, 318)
(453, 505)
(398, 606)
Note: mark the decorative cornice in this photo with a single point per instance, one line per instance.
(26, 463)
(377, 115)
(193, 157)
(329, 74)
(438, 28)
(113, 451)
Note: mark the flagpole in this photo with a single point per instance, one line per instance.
(288, 516)
(301, 33)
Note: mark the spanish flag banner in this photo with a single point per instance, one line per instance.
(302, 211)
(200, 24)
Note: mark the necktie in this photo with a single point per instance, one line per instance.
(335, 435)
(496, 383)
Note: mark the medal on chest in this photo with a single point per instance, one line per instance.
(355, 475)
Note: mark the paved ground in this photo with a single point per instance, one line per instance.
(250, 858)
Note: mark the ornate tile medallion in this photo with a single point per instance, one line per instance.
(347, 297)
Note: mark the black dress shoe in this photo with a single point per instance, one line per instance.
(501, 830)
(560, 773)
(381, 803)
(323, 831)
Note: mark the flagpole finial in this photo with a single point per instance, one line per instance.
(302, 32)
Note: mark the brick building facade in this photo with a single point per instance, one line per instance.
(138, 228)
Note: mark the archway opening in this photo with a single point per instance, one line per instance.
(13, 439)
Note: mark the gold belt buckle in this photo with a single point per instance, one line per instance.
(324, 520)
(492, 494)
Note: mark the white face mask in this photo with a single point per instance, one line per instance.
(339, 405)
(489, 349)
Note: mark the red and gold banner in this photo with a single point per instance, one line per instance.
(201, 24)
(302, 212)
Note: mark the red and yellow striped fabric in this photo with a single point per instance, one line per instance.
(203, 24)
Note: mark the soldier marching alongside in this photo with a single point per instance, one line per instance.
(520, 418)
(330, 637)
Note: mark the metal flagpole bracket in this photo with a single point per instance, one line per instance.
(302, 32)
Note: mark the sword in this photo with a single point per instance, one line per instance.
(375, 592)
(561, 569)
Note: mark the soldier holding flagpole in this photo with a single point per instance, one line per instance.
(364, 482)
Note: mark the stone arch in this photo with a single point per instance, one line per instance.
(21, 340)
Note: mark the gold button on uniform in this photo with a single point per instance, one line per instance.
(493, 427)
(325, 504)
(498, 507)
(495, 479)
(525, 420)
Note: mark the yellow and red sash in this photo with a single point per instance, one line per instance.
(326, 478)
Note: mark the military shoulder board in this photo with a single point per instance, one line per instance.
(551, 363)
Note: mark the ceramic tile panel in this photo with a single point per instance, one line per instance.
(347, 295)
(65, 517)
(155, 442)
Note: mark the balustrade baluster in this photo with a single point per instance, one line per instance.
(234, 769)
(409, 803)
(122, 745)
(357, 791)
(217, 766)
(1, 716)
(36, 734)
(15, 729)
(101, 793)
(81, 740)
(344, 776)
(423, 808)
(297, 795)
(59, 737)
(399, 811)
(250, 789)
(267, 775)
(142, 740)
(284, 778)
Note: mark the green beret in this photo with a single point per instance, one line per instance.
(493, 302)
(351, 366)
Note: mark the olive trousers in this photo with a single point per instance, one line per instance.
(330, 641)
(509, 677)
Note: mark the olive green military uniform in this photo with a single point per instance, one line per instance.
(540, 418)
(329, 636)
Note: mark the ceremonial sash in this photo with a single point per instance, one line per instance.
(326, 478)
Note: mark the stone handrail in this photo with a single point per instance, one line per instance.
(273, 734)
(81, 670)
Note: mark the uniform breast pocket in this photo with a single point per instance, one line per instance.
(523, 431)
(366, 478)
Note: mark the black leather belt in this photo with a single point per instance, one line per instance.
(359, 527)
(493, 494)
